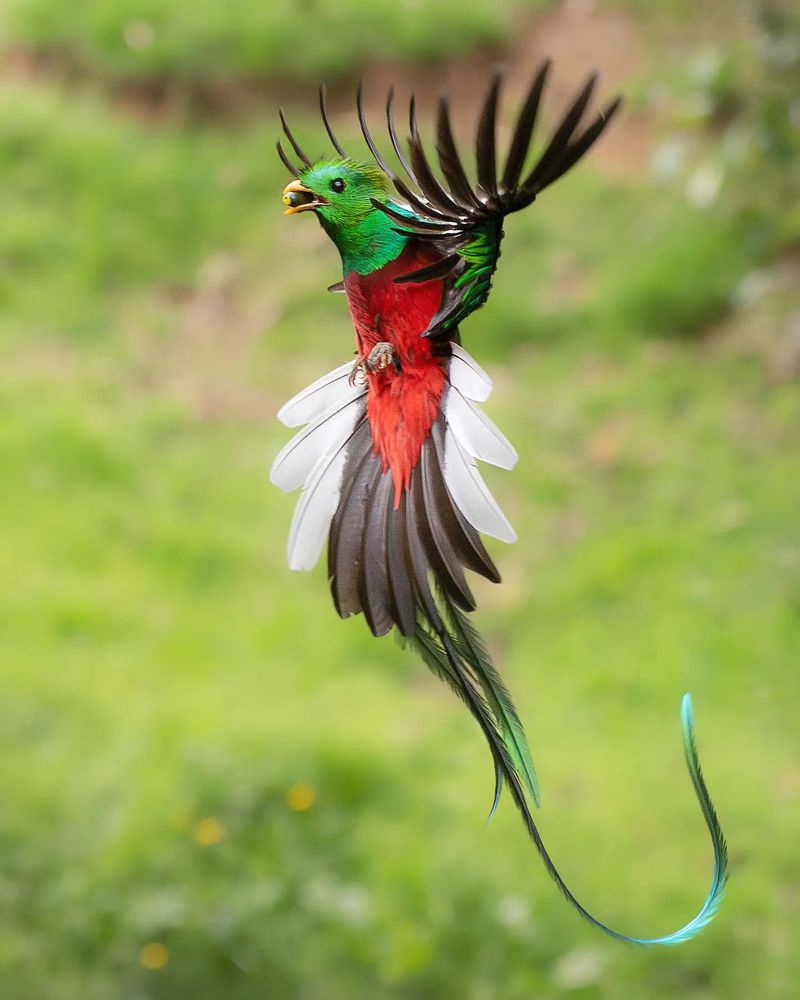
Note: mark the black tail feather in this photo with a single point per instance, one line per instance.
(380, 556)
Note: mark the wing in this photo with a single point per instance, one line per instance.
(464, 220)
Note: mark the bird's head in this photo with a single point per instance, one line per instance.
(340, 191)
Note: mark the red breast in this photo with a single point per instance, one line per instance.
(401, 406)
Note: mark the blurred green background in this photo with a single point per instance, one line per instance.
(210, 786)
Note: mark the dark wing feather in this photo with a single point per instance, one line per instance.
(450, 161)
(428, 183)
(523, 131)
(485, 155)
(438, 269)
(577, 148)
(466, 221)
(415, 224)
(559, 143)
(393, 136)
(362, 121)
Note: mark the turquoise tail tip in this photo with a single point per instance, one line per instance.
(687, 713)
(720, 875)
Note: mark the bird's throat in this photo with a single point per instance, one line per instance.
(368, 244)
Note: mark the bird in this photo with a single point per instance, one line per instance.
(390, 440)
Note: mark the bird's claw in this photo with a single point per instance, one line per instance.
(380, 357)
(358, 373)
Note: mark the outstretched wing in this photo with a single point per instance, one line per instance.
(464, 220)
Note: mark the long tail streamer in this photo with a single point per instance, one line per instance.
(452, 649)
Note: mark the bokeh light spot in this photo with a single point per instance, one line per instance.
(300, 797)
(139, 35)
(208, 831)
(154, 956)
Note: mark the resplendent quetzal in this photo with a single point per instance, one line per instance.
(386, 459)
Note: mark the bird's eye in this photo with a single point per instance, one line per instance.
(337, 185)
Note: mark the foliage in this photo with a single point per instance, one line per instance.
(769, 167)
(743, 101)
(191, 42)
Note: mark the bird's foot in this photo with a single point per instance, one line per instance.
(380, 357)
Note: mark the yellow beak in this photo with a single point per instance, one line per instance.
(298, 198)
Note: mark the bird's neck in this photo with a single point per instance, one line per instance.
(368, 244)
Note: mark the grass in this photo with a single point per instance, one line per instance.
(214, 787)
(95, 207)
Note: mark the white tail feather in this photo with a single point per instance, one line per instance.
(318, 397)
(476, 433)
(315, 458)
(468, 376)
(296, 459)
(315, 509)
(471, 493)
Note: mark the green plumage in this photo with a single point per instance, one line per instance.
(475, 282)
(473, 650)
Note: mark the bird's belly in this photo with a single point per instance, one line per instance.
(401, 404)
